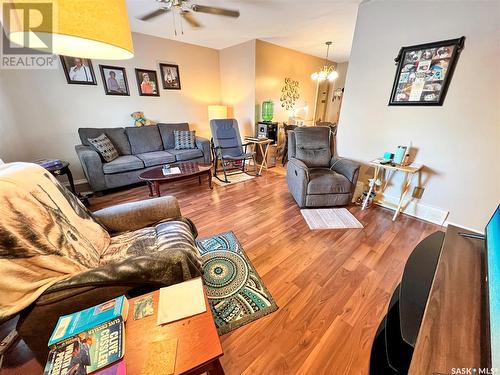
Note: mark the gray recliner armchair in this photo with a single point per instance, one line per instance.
(316, 177)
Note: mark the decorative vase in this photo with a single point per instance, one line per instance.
(267, 110)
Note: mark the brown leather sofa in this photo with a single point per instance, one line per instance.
(150, 245)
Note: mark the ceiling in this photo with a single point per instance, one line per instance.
(302, 25)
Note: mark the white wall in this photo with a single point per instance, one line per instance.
(11, 146)
(46, 112)
(237, 74)
(459, 142)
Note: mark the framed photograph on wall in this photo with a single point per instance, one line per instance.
(78, 70)
(147, 82)
(114, 79)
(170, 77)
(424, 72)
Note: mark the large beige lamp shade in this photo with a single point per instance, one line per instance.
(95, 29)
(217, 112)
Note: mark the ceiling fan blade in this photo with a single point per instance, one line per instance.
(153, 14)
(188, 16)
(215, 10)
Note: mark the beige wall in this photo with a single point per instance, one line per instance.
(273, 65)
(333, 107)
(237, 76)
(46, 112)
(459, 142)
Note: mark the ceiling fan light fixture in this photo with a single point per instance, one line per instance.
(92, 29)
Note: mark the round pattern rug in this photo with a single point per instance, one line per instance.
(226, 272)
(235, 291)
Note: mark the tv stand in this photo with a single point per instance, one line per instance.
(433, 322)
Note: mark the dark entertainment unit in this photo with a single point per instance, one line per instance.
(433, 321)
(268, 129)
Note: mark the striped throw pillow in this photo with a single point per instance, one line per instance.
(104, 147)
(184, 139)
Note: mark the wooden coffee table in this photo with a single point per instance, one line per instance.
(198, 344)
(154, 177)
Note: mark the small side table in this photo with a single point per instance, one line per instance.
(260, 143)
(408, 170)
(63, 170)
(198, 345)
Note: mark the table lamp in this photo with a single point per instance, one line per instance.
(217, 112)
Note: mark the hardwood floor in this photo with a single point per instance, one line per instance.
(331, 286)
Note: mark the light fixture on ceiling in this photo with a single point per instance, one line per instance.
(327, 71)
(94, 29)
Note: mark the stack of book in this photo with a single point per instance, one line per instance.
(49, 163)
(90, 341)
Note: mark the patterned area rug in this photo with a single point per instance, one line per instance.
(330, 218)
(235, 291)
(233, 178)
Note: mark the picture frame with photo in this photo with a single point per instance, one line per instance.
(114, 80)
(424, 72)
(78, 70)
(170, 77)
(147, 82)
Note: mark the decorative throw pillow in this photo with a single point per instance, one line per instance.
(184, 139)
(104, 147)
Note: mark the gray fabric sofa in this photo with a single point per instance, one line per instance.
(316, 177)
(139, 148)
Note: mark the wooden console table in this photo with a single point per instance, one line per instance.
(434, 319)
(451, 333)
(408, 170)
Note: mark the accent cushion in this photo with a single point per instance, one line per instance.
(167, 133)
(116, 135)
(183, 155)
(325, 181)
(144, 139)
(156, 158)
(104, 147)
(123, 163)
(184, 140)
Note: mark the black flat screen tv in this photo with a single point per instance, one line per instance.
(493, 289)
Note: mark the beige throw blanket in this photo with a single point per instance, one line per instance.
(46, 235)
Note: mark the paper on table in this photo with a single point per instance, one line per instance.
(180, 301)
(173, 170)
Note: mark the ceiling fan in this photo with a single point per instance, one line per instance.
(186, 11)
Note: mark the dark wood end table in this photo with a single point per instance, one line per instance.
(63, 169)
(154, 177)
(198, 343)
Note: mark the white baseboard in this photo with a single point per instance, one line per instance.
(76, 182)
(419, 210)
(446, 223)
(81, 181)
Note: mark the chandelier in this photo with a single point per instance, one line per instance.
(328, 71)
